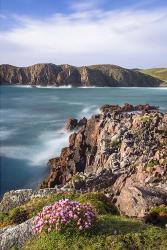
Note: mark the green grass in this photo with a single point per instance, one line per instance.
(111, 233)
(98, 201)
(159, 210)
(160, 73)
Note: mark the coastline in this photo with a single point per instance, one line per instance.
(94, 75)
(81, 87)
(87, 128)
(116, 161)
(55, 106)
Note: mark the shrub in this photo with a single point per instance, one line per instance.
(64, 214)
(18, 215)
(160, 210)
(157, 216)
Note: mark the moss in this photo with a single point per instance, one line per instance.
(4, 219)
(152, 163)
(146, 119)
(114, 144)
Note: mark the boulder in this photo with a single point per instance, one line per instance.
(136, 201)
(126, 108)
(15, 198)
(82, 122)
(14, 237)
(71, 124)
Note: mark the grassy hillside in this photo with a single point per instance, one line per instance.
(111, 232)
(160, 73)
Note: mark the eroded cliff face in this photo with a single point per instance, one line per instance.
(114, 140)
(40, 74)
(118, 150)
(58, 75)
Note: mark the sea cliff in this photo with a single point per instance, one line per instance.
(60, 75)
(122, 149)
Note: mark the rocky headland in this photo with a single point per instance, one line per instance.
(63, 75)
(120, 153)
(122, 150)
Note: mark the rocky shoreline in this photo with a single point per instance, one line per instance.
(118, 150)
(121, 152)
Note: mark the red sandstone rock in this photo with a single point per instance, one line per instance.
(118, 152)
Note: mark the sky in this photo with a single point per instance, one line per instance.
(129, 33)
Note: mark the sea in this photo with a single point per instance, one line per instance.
(32, 124)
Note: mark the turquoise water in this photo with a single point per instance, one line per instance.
(32, 119)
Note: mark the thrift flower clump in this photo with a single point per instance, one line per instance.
(62, 213)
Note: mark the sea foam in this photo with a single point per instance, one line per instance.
(48, 145)
(88, 110)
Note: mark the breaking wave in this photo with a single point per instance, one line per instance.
(54, 87)
(48, 145)
(88, 111)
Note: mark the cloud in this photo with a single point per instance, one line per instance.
(80, 6)
(131, 38)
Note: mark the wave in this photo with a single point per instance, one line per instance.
(162, 88)
(88, 111)
(163, 109)
(54, 87)
(43, 87)
(83, 87)
(21, 86)
(88, 87)
(49, 145)
(6, 133)
(75, 103)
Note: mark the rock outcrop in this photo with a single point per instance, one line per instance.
(58, 75)
(16, 198)
(13, 237)
(120, 150)
(136, 201)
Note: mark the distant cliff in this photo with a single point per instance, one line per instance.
(59, 75)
